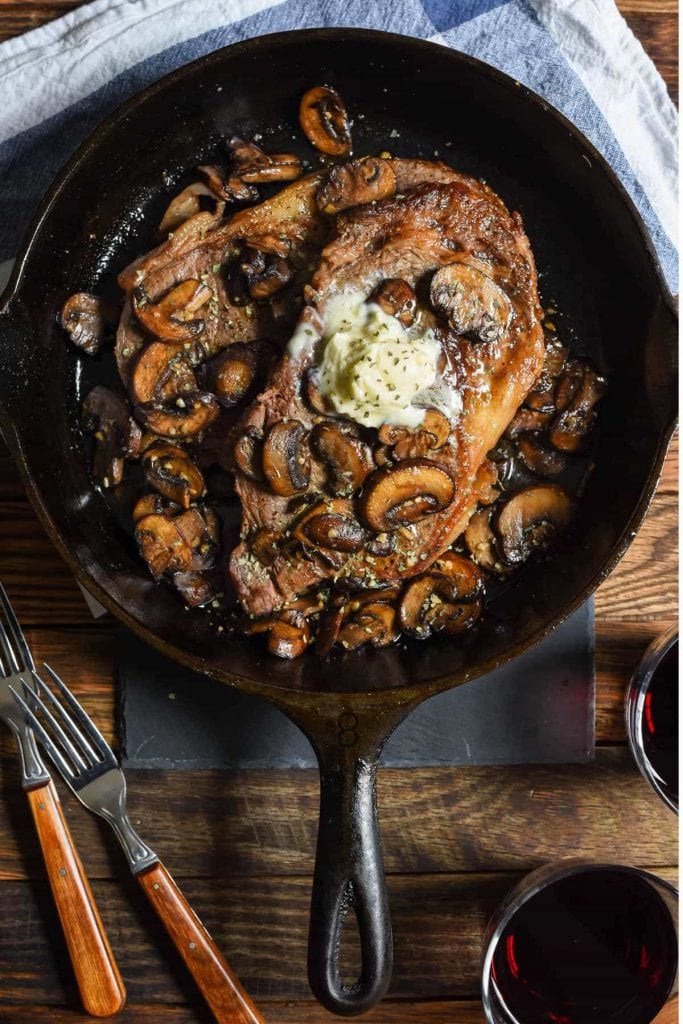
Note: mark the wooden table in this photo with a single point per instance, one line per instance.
(242, 845)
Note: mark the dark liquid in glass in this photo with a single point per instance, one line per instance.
(596, 947)
(660, 723)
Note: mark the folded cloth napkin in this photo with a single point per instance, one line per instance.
(59, 81)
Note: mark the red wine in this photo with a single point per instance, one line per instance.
(592, 948)
(660, 723)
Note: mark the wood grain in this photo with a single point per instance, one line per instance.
(238, 824)
(216, 980)
(658, 32)
(97, 974)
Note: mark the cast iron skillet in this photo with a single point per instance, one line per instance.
(596, 265)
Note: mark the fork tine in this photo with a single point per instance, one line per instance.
(8, 659)
(102, 748)
(51, 748)
(68, 747)
(15, 629)
(43, 695)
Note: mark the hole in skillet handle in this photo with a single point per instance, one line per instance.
(349, 878)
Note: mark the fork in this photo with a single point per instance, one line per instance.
(97, 974)
(87, 764)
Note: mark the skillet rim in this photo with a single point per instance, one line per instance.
(287, 694)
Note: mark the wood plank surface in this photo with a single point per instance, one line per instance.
(455, 839)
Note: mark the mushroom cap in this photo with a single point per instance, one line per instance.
(324, 121)
(406, 493)
(529, 520)
(347, 458)
(171, 472)
(286, 458)
(473, 303)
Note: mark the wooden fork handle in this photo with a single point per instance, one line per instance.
(215, 978)
(97, 974)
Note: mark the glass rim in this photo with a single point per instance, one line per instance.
(633, 708)
(536, 881)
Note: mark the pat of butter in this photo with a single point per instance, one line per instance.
(370, 368)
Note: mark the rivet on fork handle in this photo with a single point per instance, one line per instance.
(99, 982)
(217, 982)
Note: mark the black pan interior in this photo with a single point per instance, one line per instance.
(412, 99)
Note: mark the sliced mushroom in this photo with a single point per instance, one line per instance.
(275, 167)
(231, 374)
(264, 274)
(153, 505)
(248, 453)
(530, 519)
(331, 525)
(383, 456)
(171, 472)
(85, 318)
(472, 302)
(183, 206)
(194, 588)
(288, 633)
(264, 545)
(171, 317)
(324, 121)
(161, 371)
(117, 435)
(463, 574)
(431, 604)
(430, 435)
(406, 493)
(229, 188)
(348, 460)
(539, 459)
(360, 181)
(161, 545)
(528, 421)
(286, 458)
(481, 543)
(200, 529)
(185, 418)
(578, 391)
(375, 623)
(397, 298)
(328, 629)
(243, 151)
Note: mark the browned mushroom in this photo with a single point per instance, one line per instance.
(408, 443)
(541, 396)
(530, 519)
(347, 458)
(248, 453)
(286, 458)
(406, 493)
(117, 435)
(578, 391)
(374, 622)
(85, 318)
(171, 317)
(161, 545)
(538, 458)
(184, 418)
(161, 371)
(230, 188)
(383, 456)
(324, 121)
(264, 274)
(231, 374)
(288, 633)
(194, 588)
(243, 151)
(360, 181)
(481, 543)
(463, 574)
(264, 545)
(183, 206)
(331, 525)
(528, 421)
(171, 472)
(472, 302)
(200, 529)
(153, 504)
(275, 167)
(431, 604)
(398, 299)
(328, 629)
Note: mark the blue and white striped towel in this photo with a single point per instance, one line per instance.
(60, 80)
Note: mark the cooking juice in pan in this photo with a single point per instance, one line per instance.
(592, 948)
(660, 723)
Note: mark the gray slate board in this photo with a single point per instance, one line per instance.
(540, 708)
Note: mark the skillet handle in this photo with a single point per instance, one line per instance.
(349, 876)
